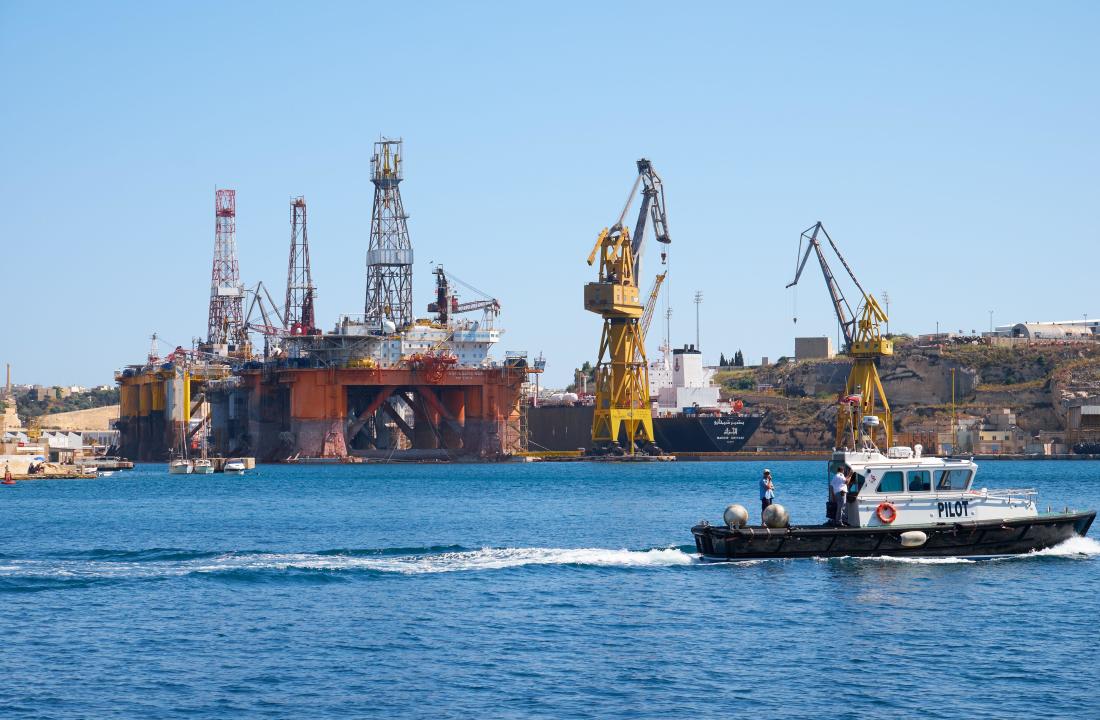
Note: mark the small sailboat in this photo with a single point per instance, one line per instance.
(180, 464)
(204, 465)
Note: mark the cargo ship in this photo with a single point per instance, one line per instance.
(688, 416)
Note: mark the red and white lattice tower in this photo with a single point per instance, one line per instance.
(299, 280)
(225, 325)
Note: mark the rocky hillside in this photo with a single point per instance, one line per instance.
(1036, 382)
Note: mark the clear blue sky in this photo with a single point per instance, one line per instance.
(950, 148)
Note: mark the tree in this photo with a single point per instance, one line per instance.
(584, 371)
(722, 360)
(738, 359)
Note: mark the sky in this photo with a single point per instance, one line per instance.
(951, 149)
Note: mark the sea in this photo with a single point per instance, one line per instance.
(539, 590)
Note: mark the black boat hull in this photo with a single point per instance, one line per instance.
(970, 539)
(569, 427)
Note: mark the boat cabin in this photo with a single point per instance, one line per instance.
(904, 488)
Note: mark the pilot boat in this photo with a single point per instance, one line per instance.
(903, 505)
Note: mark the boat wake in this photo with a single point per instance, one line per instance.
(1074, 548)
(151, 564)
(29, 574)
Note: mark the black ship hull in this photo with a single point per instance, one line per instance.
(988, 538)
(569, 427)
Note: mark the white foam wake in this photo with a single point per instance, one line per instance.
(910, 560)
(413, 564)
(469, 560)
(1076, 546)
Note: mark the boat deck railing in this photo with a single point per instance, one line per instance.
(1006, 492)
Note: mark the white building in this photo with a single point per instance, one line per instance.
(1050, 330)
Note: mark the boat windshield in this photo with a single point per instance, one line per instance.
(954, 479)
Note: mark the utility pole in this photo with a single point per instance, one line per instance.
(886, 301)
(954, 418)
(668, 331)
(698, 302)
(990, 321)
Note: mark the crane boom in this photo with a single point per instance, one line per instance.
(653, 206)
(843, 310)
(651, 304)
(446, 303)
(859, 414)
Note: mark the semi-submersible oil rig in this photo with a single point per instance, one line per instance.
(383, 384)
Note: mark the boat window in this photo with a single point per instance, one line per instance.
(956, 479)
(891, 482)
(920, 481)
(861, 480)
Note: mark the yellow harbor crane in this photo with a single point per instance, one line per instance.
(862, 408)
(623, 420)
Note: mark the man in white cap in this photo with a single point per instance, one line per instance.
(767, 493)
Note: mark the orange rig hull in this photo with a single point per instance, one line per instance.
(279, 414)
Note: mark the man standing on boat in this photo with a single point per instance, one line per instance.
(838, 488)
(767, 493)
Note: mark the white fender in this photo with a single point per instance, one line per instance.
(913, 538)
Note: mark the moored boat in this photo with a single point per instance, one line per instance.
(902, 504)
(203, 466)
(179, 466)
(234, 467)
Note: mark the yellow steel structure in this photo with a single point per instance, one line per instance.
(651, 303)
(622, 374)
(863, 411)
(866, 348)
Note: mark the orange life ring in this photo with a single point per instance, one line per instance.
(886, 512)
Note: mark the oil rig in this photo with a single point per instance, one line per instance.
(383, 384)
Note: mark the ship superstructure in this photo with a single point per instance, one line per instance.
(679, 380)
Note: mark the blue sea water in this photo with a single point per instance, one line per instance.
(535, 591)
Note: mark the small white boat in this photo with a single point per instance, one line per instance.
(179, 466)
(203, 467)
(89, 470)
(234, 467)
(106, 473)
